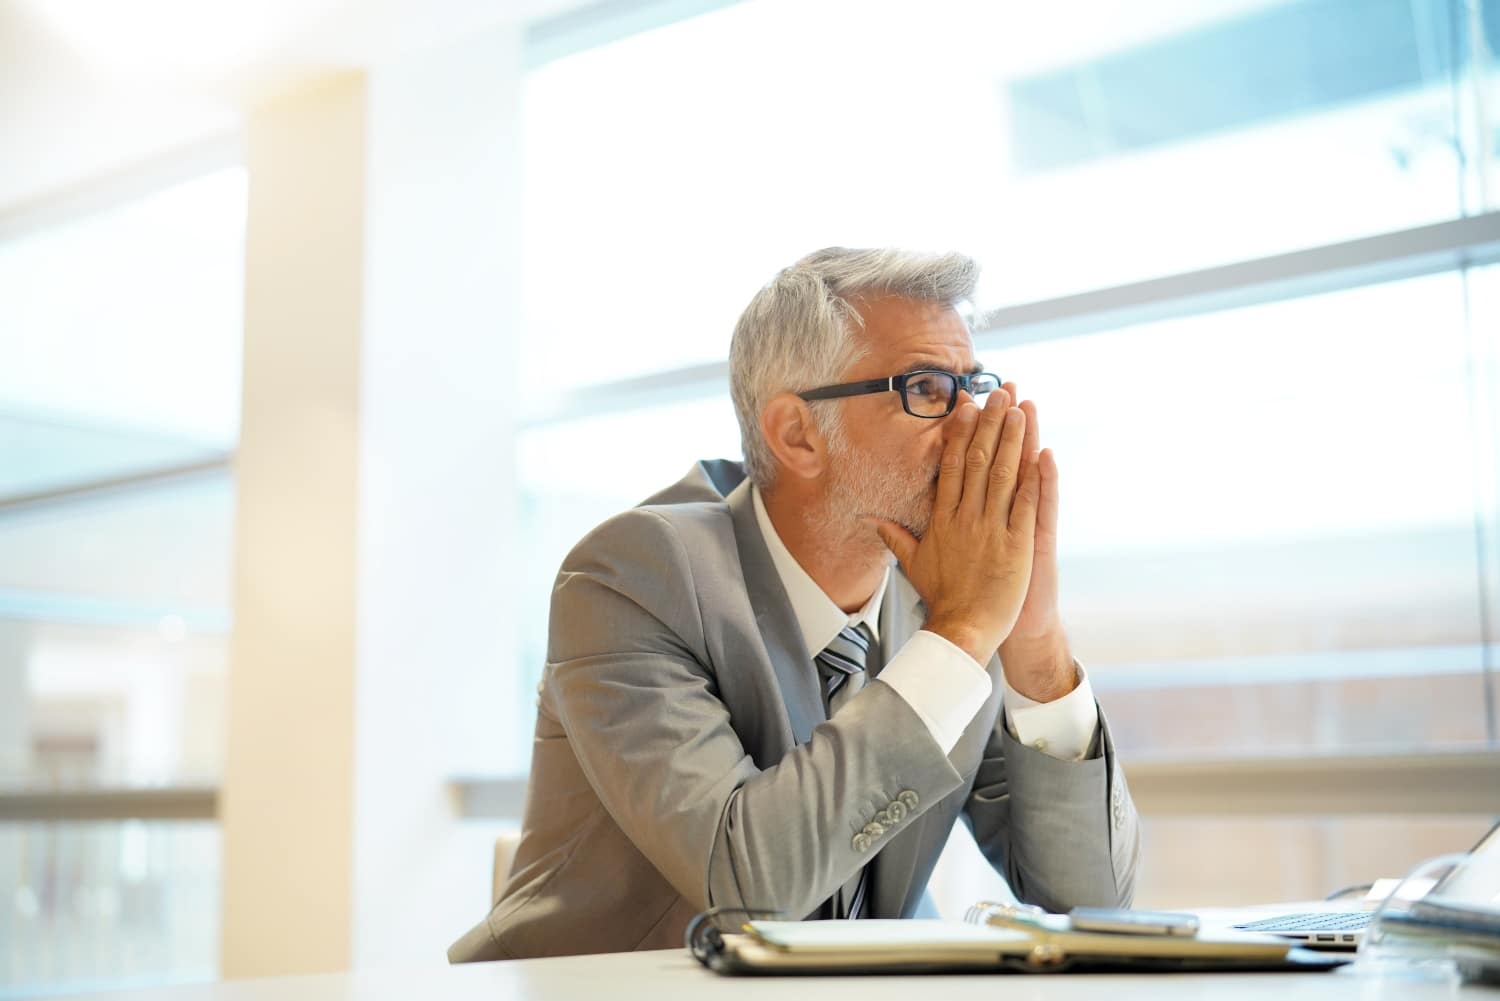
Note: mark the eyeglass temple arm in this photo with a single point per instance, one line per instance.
(852, 389)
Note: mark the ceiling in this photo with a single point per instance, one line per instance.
(90, 87)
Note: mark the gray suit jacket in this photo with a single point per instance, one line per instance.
(683, 758)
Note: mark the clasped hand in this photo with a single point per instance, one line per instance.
(974, 566)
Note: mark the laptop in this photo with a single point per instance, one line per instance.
(1346, 929)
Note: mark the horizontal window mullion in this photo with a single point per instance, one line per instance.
(1387, 257)
(103, 804)
(114, 486)
(1445, 246)
(121, 186)
(1453, 782)
(1456, 782)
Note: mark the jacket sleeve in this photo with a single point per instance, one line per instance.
(630, 679)
(1064, 834)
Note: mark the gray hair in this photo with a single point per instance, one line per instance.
(798, 331)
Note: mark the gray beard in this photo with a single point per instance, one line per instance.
(859, 488)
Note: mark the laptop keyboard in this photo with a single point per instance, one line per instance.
(1314, 921)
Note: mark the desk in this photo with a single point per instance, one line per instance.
(673, 975)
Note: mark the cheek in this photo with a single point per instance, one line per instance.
(918, 459)
(932, 447)
(899, 445)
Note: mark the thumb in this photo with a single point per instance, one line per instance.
(897, 539)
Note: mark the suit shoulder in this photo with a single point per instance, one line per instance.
(651, 536)
(641, 578)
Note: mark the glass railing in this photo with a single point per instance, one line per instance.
(107, 904)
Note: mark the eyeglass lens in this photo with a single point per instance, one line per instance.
(930, 394)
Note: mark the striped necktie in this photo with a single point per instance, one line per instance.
(841, 667)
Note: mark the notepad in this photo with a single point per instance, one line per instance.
(906, 946)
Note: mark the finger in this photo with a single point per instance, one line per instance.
(981, 452)
(1015, 401)
(1033, 441)
(1047, 504)
(1023, 512)
(1005, 470)
(897, 539)
(950, 488)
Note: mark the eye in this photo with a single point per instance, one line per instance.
(925, 386)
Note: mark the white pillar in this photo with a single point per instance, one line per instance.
(373, 643)
(437, 636)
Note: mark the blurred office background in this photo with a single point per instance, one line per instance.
(327, 328)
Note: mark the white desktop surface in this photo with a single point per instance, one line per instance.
(673, 974)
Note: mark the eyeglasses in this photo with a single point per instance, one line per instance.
(925, 393)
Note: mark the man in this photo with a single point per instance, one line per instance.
(746, 706)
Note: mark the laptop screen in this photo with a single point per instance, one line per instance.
(1477, 881)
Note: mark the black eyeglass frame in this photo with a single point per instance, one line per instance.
(897, 383)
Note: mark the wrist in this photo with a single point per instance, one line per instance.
(964, 636)
(1040, 668)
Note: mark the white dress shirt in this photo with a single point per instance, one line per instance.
(942, 683)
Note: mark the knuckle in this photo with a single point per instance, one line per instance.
(1001, 472)
(978, 458)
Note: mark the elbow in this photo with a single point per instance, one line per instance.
(740, 886)
(746, 875)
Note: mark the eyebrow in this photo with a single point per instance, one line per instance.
(941, 366)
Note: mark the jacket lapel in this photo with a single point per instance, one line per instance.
(901, 615)
(778, 627)
(894, 889)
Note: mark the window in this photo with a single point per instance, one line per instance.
(568, 484)
(1279, 522)
(1068, 146)
(119, 409)
(1269, 521)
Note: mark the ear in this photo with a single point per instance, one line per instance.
(793, 436)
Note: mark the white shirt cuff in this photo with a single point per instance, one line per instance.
(942, 684)
(1063, 728)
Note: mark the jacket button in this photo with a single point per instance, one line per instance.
(874, 829)
(896, 811)
(861, 842)
(907, 798)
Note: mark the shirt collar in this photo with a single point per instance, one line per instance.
(817, 616)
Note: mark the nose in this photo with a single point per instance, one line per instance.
(947, 424)
(964, 396)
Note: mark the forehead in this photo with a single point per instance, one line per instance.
(908, 333)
